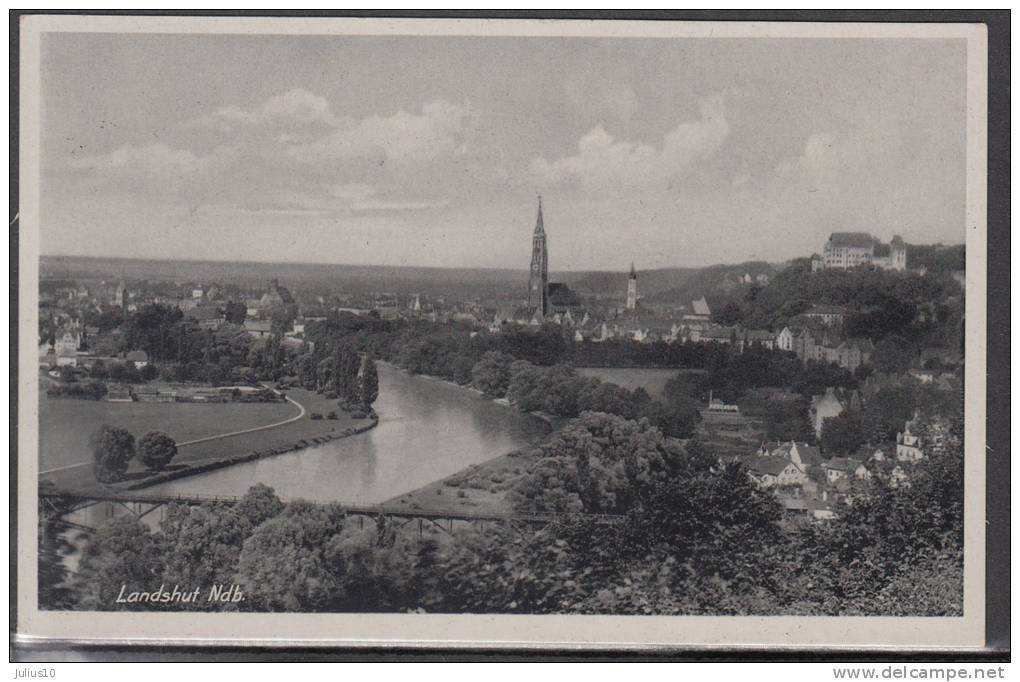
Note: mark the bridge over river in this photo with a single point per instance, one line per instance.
(55, 505)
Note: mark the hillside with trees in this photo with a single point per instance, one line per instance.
(923, 310)
(716, 283)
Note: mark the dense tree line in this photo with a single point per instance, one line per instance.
(481, 359)
(89, 390)
(180, 350)
(497, 365)
(729, 375)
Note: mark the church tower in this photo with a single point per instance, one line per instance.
(632, 289)
(538, 284)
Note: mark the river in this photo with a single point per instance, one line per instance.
(428, 429)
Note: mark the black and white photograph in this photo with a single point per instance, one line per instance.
(464, 318)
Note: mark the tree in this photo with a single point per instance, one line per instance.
(156, 449)
(235, 313)
(462, 366)
(125, 372)
(339, 375)
(599, 463)
(785, 416)
(112, 449)
(283, 565)
(54, 545)
(122, 555)
(203, 543)
(99, 370)
(259, 504)
(352, 366)
(376, 572)
(895, 550)
(348, 387)
(641, 396)
(729, 314)
(686, 385)
(678, 418)
(892, 354)
(598, 396)
(369, 381)
(325, 373)
(491, 374)
(716, 522)
(843, 434)
(887, 410)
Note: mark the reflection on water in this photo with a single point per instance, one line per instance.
(428, 430)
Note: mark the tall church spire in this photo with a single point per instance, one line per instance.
(538, 284)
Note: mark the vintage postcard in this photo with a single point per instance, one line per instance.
(501, 333)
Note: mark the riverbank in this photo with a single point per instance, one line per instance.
(479, 487)
(166, 476)
(204, 455)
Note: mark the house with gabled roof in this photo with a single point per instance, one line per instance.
(774, 471)
(839, 468)
(139, 358)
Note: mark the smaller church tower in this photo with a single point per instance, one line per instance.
(632, 289)
(538, 284)
(120, 295)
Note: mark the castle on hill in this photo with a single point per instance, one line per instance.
(846, 250)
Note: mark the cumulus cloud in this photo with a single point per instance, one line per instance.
(293, 153)
(441, 129)
(603, 161)
(297, 107)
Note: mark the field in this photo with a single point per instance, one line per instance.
(65, 426)
(652, 380)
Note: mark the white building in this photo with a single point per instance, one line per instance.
(846, 250)
(784, 339)
(908, 445)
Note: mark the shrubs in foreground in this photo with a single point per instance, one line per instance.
(688, 537)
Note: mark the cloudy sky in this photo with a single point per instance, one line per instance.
(431, 150)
